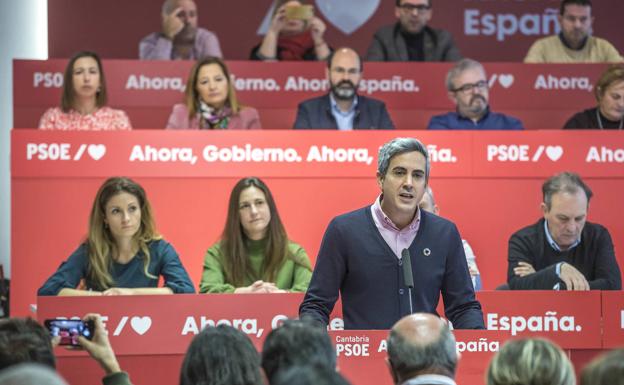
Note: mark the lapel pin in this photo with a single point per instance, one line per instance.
(426, 252)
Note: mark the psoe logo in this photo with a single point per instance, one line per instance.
(63, 151)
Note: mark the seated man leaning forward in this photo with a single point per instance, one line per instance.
(343, 108)
(180, 37)
(467, 87)
(562, 251)
(362, 254)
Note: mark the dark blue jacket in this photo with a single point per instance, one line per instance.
(489, 121)
(355, 261)
(316, 114)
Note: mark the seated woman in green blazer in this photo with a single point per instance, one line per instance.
(254, 254)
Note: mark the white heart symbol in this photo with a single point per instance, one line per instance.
(347, 15)
(554, 152)
(96, 151)
(141, 324)
(506, 80)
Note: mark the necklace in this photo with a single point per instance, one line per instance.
(600, 120)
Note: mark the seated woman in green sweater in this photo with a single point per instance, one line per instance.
(254, 254)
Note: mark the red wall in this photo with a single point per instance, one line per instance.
(114, 27)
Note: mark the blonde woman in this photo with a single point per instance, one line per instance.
(123, 254)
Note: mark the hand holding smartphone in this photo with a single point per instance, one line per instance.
(300, 12)
(68, 330)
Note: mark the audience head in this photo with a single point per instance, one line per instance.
(565, 206)
(607, 369)
(420, 344)
(575, 19)
(23, 340)
(83, 81)
(609, 91)
(120, 211)
(30, 374)
(532, 361)
(221, 355)
(467, 87)
(209, 83)
(252, 216)
(344, 72)
(297, 343)
(310, 375)
(187, 14)
(428, 202)
(413, 15)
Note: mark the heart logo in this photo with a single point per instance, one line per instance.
(141, 324)
(347, 15)
(96, 151)
(506, 80)
(554, 152)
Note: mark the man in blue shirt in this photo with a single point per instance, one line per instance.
(343, 108)
(467, 87)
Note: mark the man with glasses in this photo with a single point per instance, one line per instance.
(410, 39)
(574, 44)
(343, 108)
(467, 87)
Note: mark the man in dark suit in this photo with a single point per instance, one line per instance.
(343, 108)
(410, 39)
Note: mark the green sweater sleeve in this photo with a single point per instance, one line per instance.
(302, 271)
(213, 280)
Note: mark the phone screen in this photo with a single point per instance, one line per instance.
(68, 330)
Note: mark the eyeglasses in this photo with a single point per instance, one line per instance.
(410, 8)
(481, 85)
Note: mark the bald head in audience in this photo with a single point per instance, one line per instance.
(422, 346)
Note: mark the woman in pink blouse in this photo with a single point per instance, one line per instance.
(210, 101)
(83, 102)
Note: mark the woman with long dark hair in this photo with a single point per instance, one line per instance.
(254, 254)
(123, 253)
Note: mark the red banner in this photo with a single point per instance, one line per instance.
(613, 319)
(55, 177)
(493, 30)
(542, 96)
(572, 319)
(149, 326)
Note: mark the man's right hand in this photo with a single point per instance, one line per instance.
(573, 278)
(172, 25)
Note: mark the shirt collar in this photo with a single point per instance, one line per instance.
(335, 108)
(387, 222)
(554, 244)
(430, 379)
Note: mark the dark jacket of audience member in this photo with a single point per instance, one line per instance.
(389, 45)
(316, 114)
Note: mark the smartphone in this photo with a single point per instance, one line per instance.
(69, 330)
(300, 12)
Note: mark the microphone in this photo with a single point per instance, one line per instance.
(408, 277)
